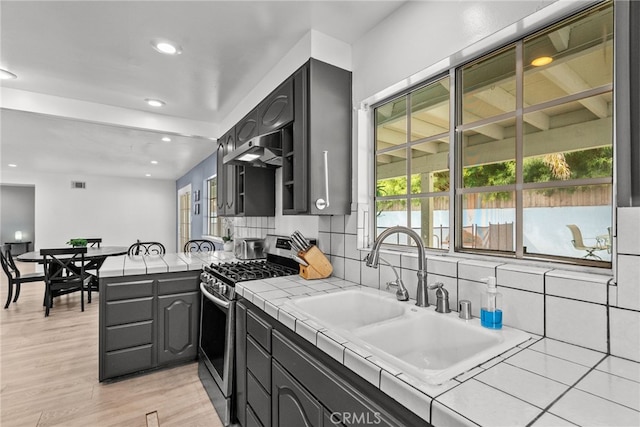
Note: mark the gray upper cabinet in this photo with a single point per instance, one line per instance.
(317, 154)
(221, 196)
(255, 187)
(276, 110)
(230, 175)
(247, 128)
(226, 174)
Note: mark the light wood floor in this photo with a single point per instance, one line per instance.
(49, 372)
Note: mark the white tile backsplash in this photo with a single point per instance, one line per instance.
(337, 224)
(352, 270)
(577, 322)
(444, 266)
(625, 333)
(523, 310)
(337, 244)
(628, 281)
(338, 266)
(351, 247)
(628, 231)
(471, 291)
(572, 285)
(476, 270)
(519, 277)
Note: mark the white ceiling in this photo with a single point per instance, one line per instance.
(100, 52)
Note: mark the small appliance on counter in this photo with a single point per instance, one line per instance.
(249, 248)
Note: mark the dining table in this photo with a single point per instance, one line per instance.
(97, 254)
(94, 258)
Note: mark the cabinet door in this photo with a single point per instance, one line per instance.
(221, 185)
(178, 317)
(291, 404)
(247, 128)
(241, 364)
(276, 110)
(230, 175)
(294, 143)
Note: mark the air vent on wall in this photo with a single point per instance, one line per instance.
(78, 184)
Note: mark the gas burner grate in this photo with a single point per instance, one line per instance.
(233, 272)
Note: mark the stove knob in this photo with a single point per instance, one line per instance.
(222, 288)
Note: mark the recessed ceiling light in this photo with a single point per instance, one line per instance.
(155, 102)
(166, 139)
(147, 174)
(154, 162)
(541, 60)
(12, 165)
(166, 47)
(6, 75)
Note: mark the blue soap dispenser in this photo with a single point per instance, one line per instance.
(491, 305)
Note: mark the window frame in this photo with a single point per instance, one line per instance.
(456, 190)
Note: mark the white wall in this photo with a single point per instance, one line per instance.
(421, 34)
(119, 210)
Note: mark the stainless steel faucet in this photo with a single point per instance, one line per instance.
(422, 297)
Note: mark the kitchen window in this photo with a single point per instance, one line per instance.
(184, 216)
(412, 164)
(215, 222)
(533, 168)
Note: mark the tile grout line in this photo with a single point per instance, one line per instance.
(571, 387)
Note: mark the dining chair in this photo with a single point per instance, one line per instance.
(64, 274)
(146, 248)
(579, 244)
(93, 265)
(199, 245)
(14, 277)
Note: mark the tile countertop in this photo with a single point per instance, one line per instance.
(542, 382)
(126, 265)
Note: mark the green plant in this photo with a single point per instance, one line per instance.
(77, 242)
(228, 237)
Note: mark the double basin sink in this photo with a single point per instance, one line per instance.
(430, 346)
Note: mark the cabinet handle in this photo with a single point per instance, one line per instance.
(324, 203)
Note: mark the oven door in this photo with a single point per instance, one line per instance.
(217, 335)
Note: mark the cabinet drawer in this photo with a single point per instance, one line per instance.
(179, 285)
(259, 400)
(260, 330)
(129, 311)
(127, 361)
(259, 363)
(129, 290)
(131, 335)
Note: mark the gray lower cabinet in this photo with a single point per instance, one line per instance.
(286, 381)
(292, 405)
(178, 327)
(147, 321)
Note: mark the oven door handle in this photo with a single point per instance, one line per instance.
(213, 298)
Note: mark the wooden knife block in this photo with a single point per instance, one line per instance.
(319, 266)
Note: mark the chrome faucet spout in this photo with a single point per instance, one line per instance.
(373, 259)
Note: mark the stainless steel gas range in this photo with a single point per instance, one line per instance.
(217, 319)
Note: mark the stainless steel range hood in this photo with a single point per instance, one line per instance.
(260, 151)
